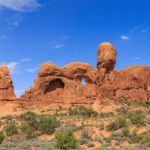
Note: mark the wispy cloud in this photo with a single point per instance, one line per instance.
(58, 46)
(19, 92)
(26, 60)
(15, 19)
(31, 70)
(11, 66)
(124, 37)
(19, 5)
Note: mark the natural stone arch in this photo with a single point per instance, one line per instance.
(53, 85)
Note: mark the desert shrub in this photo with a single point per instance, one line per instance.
(120, 122)
(82, 111)
(11, 129)
(66, 140)
(48, 124)
(27, 130)
(30, 118)
(104, 115)
(90, 145)
(124, 101)
(123, 111)
(137, 118)
(1, 137)
(125, 132)
(83, 141)
(143, 104)
(142, 138)
(85, 134)
(8, 117)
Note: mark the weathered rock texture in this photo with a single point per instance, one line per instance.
(79, 83)
(64, 85)
(6, 85)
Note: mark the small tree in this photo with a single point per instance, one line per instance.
(48, 124)
(66, 140)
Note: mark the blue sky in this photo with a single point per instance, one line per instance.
(62, 31)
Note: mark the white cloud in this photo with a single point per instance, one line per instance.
(58, 46)
(11, 66)
(19, 5)
(31, 70)
(124, 37)
(19, 92)
(26, 60)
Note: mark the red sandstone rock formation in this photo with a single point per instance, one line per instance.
(6, 85)
(132, 83)
(63, 85)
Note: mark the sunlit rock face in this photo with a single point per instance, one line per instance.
(80, 83)
(6, 84)
(70, 84)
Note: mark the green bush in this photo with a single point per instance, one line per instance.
(120, 122)
(142, 138)
(83, 141)
(1, 137)
(8, 117)
(90, 145)
(66, 140)
(30, 118)
(82, 111)
(104, 115)
(125, 132)
(123, 111)
(11, 129)
(137, 118)
(48, 124)
(27, 130)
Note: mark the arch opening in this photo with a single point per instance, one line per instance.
(54, 85)
(83, 81)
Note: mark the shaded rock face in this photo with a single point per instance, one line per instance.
(6, 85)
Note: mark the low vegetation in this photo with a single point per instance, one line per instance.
(48, 124)
(66, 140)
(126, 128)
